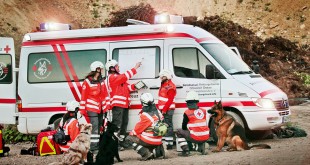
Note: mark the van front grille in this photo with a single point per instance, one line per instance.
(284, 113)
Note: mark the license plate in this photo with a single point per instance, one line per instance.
(285, 119)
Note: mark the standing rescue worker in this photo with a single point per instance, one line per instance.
(119, 91)
(166, 103)
(194, 125)
(145, 142)
(94, 102)
(70, 124)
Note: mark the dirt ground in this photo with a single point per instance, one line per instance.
(283, 151)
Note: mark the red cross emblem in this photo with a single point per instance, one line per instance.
(7, 49)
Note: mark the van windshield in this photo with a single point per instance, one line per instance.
(227, 58)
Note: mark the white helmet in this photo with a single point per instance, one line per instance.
(95, 65)
(146, 99)
(110, 63)
(166, 73)
(192, 95)
(72, 105)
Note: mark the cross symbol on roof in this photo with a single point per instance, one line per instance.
(7, 49)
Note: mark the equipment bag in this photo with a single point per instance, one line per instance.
(46, 144)
(3, 149)
(160, 128)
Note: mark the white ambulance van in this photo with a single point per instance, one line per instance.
(53, 65)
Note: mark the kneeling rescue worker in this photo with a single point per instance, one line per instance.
(70, 124)
(145, 142)
(194, 126)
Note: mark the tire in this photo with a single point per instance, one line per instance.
(56, 123)
(236, 117)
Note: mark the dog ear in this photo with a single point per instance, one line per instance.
(220, 104)
(214, 102)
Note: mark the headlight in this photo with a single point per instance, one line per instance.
(264, 103)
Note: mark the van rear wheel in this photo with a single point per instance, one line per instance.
(56, 123)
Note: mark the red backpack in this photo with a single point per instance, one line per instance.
(46, 144)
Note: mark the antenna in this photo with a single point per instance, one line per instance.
(137, 22)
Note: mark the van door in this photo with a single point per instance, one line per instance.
(150, 54)
(7, 81)
(188, 64)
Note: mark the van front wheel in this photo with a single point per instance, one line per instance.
(236, 117)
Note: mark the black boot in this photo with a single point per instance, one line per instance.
(202, 148)
(184, 153)
(159, 151)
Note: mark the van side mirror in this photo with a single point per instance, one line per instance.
(255, 66)
(210, 72)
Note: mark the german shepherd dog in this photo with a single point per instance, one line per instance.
(230, 131)
(77, 153)
(108, 147)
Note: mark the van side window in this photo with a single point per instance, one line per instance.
(5, 69)
(128, 57)
(46, 67)
(189, 62)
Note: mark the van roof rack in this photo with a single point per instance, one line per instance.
(137, 22)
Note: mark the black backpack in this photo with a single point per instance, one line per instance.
(60, 137)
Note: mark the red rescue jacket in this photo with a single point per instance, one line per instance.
(163, 98)
(197, 124)
(143, 133)
(71, 128)
(94, 97)
(119, 88)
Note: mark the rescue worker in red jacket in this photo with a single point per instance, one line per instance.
(70, 124)
(145, 142)
(119, 91)
(166, 103)
(94, 102)
(194, 126)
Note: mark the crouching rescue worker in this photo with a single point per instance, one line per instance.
(95, 102)
(146, 140)
(166, 103)
(70, 124)
(120, 90)
(194, 126)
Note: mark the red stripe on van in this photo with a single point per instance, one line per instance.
(206, 104)
(76, 80)
(112, 38)
(263, 94)
(7, 101)
(43, 109)
(139, 107)
(64, 71)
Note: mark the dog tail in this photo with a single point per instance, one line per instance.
(260, 146)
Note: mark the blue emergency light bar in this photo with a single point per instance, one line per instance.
(49, 26)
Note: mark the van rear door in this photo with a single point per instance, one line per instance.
(150, 53)
(7, 81)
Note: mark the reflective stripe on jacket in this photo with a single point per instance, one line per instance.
(119, 88)
(163, 94)
(71, 128)
(94, 97)
(197, 124)
(142, 129)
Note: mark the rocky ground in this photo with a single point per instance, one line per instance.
(283, 151)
